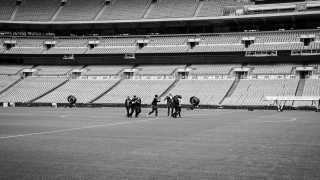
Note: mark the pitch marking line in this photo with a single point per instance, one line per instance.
(75, 129)
(281, 121)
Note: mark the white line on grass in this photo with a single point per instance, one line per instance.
(281, 121)
(75, 129)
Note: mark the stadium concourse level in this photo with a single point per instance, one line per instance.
(102, 10)
(214, 84)
(220, 42)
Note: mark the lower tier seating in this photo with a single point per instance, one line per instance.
(252, 92)
(311, 88)
(83, 90)
(5, 81)
(30, 88)
(209, 92)
(146, 89)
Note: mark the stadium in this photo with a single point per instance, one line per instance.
(234, 55)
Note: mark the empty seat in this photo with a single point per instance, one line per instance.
(83, 90)
(30, 88)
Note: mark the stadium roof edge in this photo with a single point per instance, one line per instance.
(243, 17)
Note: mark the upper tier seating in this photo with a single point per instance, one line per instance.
(157, 69)
(210, 92)
(37, 10)
(252, 92)
(272, 69)
(83, 90)
(6, 9)
(80, 10)
(103, 70)
(6, 80)
(220, 7)
(30, 88)
(146, 89)
(124, 9)
(172, 9)
(112, 50)
(54, 70)
(213, 69)
(221, 39)
(163, 49)
(218, 48)
(167, 40)
(12, 69)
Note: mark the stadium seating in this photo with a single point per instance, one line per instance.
(6, 9)
(37, 10)
(168, 40)
(11, 69)
(146, 89)
(272, 69)
(6, 80)
(213, 69)
(252, 92)
(30, 88)
(172, 8)
(163, 49)
(83, 90)
(210, 92)
(54, 70)
(223, 42)
(66, 50)
(112, 50)
(157, 69)
(80, 10)
(311, 88)
(103, 70)
(124, 9)
(221, 39)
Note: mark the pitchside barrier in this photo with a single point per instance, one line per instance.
(280, 101)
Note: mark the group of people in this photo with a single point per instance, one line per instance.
(174, 105)
(133, 105)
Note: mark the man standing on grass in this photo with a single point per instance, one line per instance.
(154, 105)
(169, 100)
(127, 104)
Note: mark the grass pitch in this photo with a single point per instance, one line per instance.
(101, 143)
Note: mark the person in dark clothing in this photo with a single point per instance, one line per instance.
(177, 105)
(133, 105)
(169, 100)
(127, 104)
(138, 107)
(154, 105)
(194, 101)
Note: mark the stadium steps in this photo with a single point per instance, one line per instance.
(169, 88)
(13, 16)
(198, 8)
(147, 9)
(10, 86)
(103, 8)
(48, 92)
(57, 13)
(104, 93)
(300, 87)
(231, 90)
